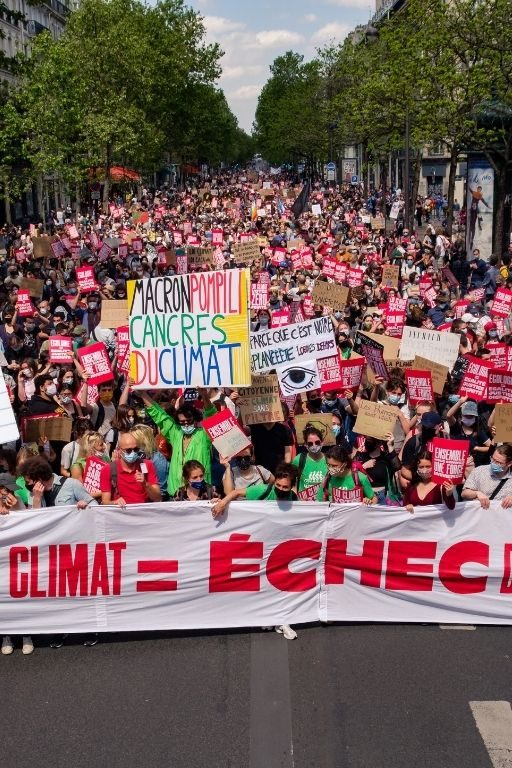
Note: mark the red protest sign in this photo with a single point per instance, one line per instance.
(395, 311)
(279, 318)
(24, 306)
(425, 283)
(329, 371)
(499, 387)
(499, 353)
(502, 304)
(86, 280)
(60, 349)
(329, 267)
(123, 349)
(351, 372)
(309, 494)
(259, 295)
(177, 237)
(122, 250)
(340, 272)
(217, 236)
(449, 460)
(181, 264)
(137, 245)
(94, 360)
(430, 296)
(104, 252)
(419, 386)
(460, 308)
(225, 433)
(92, 471)
(307, 307)
(476, 376)
(58, 249)
(92, 394)
(307, 257)
(355, 277)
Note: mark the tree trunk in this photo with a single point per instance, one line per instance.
(40, 204)
(454, 156)
(106, 185)
(7, 201)
(77, 199)
(414, 190)
(364, 168)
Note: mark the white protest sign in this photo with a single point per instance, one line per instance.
(439, 346)
(310, 340)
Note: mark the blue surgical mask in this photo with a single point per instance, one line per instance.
(188, 429)
(130, 456)
(336, 429)
(197, 485)
(394, 399)
(452, 399)
(497, 469)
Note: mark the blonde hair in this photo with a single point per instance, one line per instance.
(145, 438)
(26, 451)
(88, 443)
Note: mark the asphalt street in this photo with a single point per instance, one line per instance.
(339, 696)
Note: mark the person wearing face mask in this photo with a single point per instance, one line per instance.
(380, 464)
(422, 490)
(464, 425)
(195, 487)
(311, 464)
(263, 320)
(430, 426)
(91, 445)
(280, 490)
(395, 395)
(68, 405)
(130, 479)
(26, 377)
(493, 481)
(185, 435)
(242, 472)
(343, 484)
(45, 398)
(92, 315)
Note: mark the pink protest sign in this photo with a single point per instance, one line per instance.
(95, 362)
(60, 349)
(449, 459)
(86, 280)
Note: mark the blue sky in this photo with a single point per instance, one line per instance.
(254, 32)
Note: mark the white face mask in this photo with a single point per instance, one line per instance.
(51, 390)
(314, 448)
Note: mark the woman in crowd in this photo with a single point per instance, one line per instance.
(343, 483)
(465, 425)
(422, 490)
(380, 462)
(195, 487)
(26, 379)
(311, 464)
(71, 451)
(91, 444)
(242, 472)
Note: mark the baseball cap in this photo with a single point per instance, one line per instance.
(431, 419)
(467, 317)
(79, 330)
(490, 326)
(469, 409)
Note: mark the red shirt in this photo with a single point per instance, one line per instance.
(127, 488)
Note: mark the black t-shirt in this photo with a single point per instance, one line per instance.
(269, 444)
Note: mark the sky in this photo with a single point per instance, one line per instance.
(252, 33)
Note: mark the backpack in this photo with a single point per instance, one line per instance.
(302, 463)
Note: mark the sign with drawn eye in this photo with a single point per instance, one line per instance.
(298, 377)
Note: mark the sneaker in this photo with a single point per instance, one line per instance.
(57, 641)
(287, 631)
(28, 646)
(91, 640)
(7, 648)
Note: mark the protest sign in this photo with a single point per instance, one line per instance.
(311, 340)
(260, 403)
(24, 306)
(53, 427)
(58, 249)
(321, 421)
(86, 280)
(225, 433)
(91, 477)
(425, 283)
(449, 459)
(259, 295)
(295, 244)
(340, 273)
(123, 349)
(104, 252)
(419, 386)
(181, 264)
(355, 277)
(42, 246)
(329, 370)
(198, 256)
(351, 372)
(460, 308)
(8, 424)
(330, 295)
(499, 387)
(439, 372)
(280, 318)
(298, 377)
(373, 351)
(33, 286)
(390, 275)
(439, 346)
(502, 304)
(244, 253)
(476, 295)
(375, 419)
(395, 312)
(316, 209)
(430, 296)
(94, 360)
(499, 353)
(114, 313)
(329, 267)
(503, 422)
(60, 349)
(378, 222)
(459, 369)
(474, 382)
(217, 236)
(190, 330)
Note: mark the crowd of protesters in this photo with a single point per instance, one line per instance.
(151, 445)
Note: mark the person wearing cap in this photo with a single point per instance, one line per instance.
(430, 426)
(464, 425)
(80, 337)
(491, 331)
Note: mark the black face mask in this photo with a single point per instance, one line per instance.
(244, 462)
(427, 434)
(370, 445)
(283, 495)
(344, 344)
(315, 402)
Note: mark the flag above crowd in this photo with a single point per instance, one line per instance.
(253, 337)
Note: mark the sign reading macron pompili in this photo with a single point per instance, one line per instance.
(190, 330)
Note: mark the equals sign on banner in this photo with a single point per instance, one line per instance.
(157, 566)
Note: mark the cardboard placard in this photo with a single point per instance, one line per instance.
(53, 427)
(390, 275)
(260, 403)
(449, 459)
(42, 246)
(197, 256)
(378, 222)
(375, 419)
(330, 295)
(503, 422)
(439, 372)
(33, 286)
(246, 252)
(114, 313)
(321, 421)
(225, 433)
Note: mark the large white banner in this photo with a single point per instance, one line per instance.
(171, 566)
